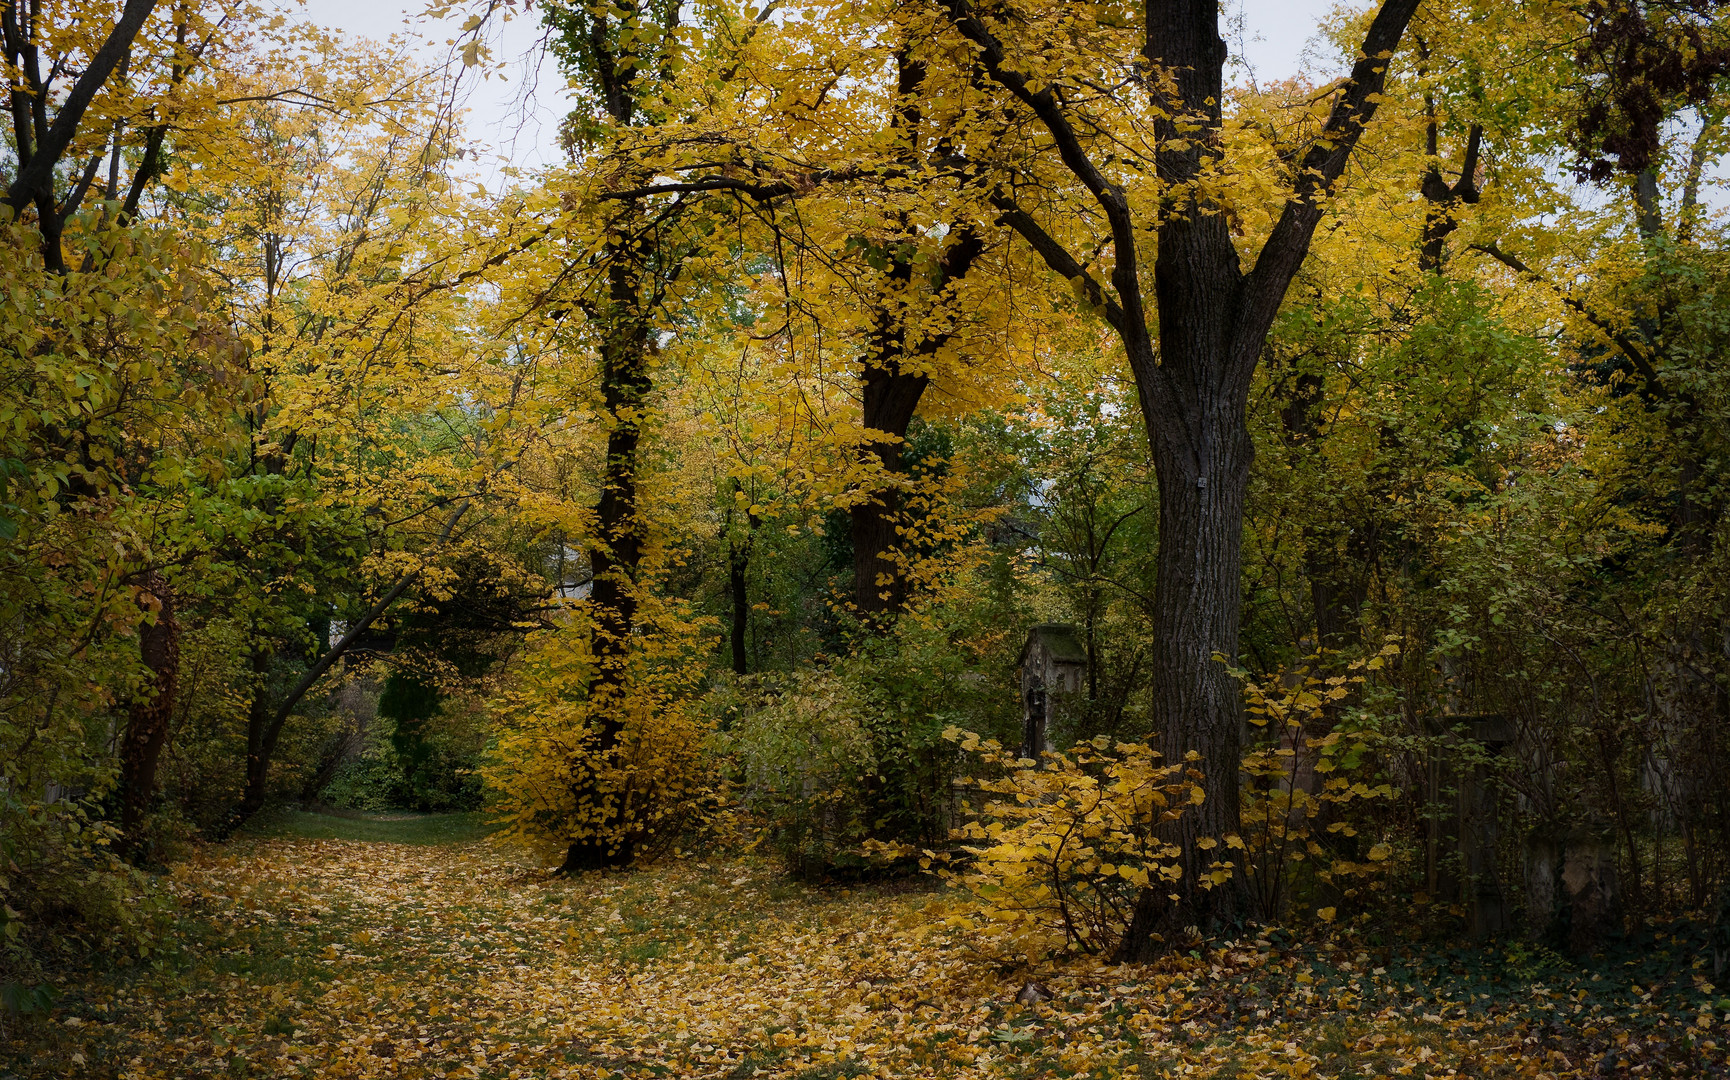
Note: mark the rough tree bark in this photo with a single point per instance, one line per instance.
(148, 720)
(894, 377)
(617, 554)
(637, 266)
(1193, 383)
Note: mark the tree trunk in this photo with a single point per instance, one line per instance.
(890, 398)
(894, 378)
(1338, 588)
(616, 556)
(261, 735)
(738, 587)
(41, 144)
(1442, 199)
(148, 722)
(1197, 705)
(739, 560)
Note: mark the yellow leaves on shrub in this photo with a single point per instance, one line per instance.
(1061, 849)
(552, 787)
(1311, 765)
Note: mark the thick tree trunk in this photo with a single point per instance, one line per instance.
(890, 398)
(1198, 706)
(148, 723)
(1202, 454)
(615, 558)
(894, 379)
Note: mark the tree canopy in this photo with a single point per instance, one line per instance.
(702, 492)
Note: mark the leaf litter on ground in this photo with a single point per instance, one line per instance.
(337, 958)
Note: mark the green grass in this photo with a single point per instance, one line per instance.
(385, 828)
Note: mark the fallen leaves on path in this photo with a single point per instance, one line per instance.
(344, 959)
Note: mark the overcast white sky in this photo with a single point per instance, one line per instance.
(1276, 32)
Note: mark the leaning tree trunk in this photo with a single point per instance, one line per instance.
(265, 719)
(148, 722)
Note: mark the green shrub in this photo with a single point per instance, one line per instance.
(806, 761)
(65, 896)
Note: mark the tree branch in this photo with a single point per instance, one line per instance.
(1629, 346)
(1044, 104)
(1058, 258)
(336, 652)
(37, 177)
(1320, 169)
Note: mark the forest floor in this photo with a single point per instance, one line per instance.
(420, 947)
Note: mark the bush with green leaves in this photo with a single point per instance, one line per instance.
(806, 759)
(64, 896)
(831, 757)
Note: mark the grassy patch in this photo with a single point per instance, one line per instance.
(394, 828)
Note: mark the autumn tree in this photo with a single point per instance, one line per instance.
(102, 392)
(1194, 348)
(907, 332)
(46, 125)
(315, 208)
(621, 57)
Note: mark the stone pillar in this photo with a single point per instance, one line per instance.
(1544, 850)
(1591, 888)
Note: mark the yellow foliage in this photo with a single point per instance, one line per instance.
(1292, 787)
(1058, 851)
(550, 785)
